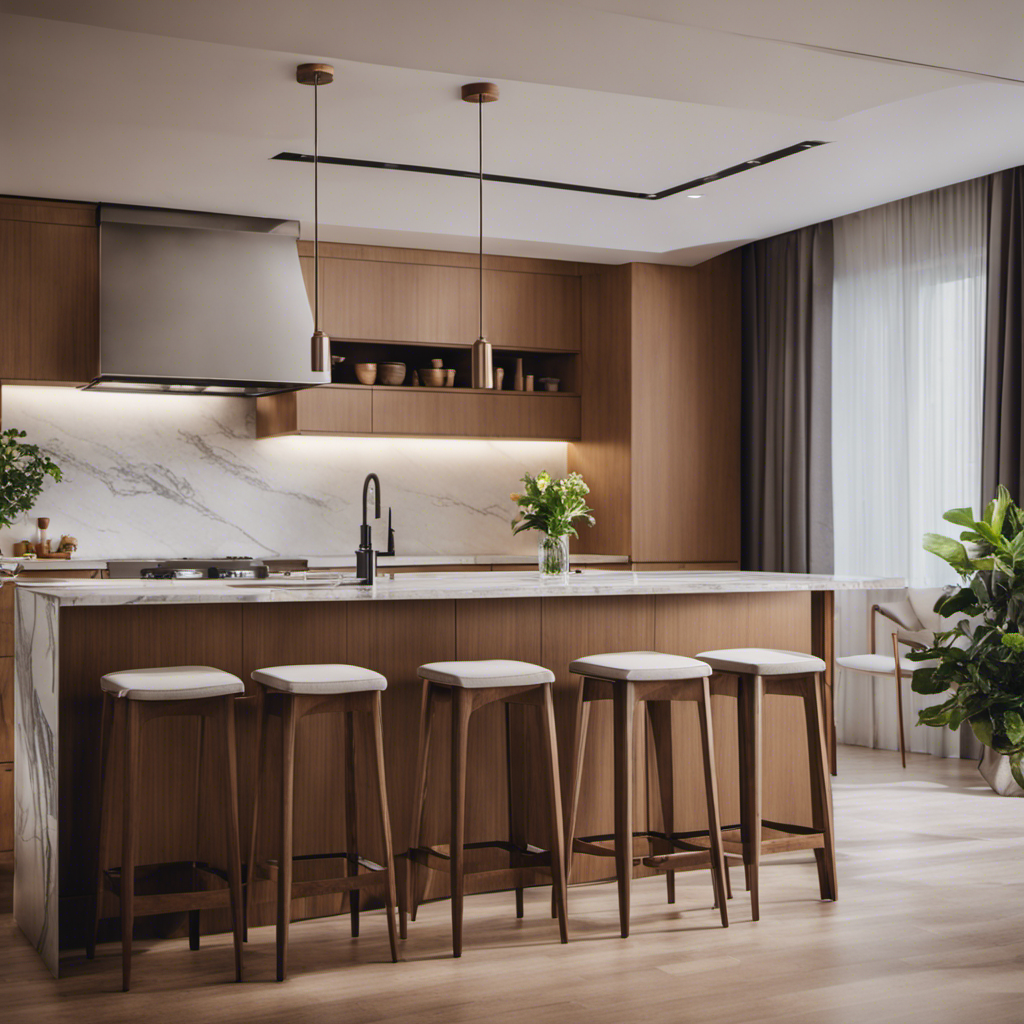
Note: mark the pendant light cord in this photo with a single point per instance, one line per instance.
(480, 138)
(316, 203)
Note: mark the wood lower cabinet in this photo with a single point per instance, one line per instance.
(49, 291)
(6, 811)
(6, 754)
(420, 412)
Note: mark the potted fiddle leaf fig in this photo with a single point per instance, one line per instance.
(23, 471)
(980, 660)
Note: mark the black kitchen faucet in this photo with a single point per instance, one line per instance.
(366, 557)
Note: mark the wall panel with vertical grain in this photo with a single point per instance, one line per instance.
(661, 411)
(686, 412)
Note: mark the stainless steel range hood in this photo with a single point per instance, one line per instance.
(201, 303)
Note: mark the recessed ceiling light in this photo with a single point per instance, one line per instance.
(695, 195)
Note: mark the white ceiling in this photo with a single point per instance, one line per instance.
(182, 105)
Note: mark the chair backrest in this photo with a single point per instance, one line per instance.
(922, 600)
(913, 617)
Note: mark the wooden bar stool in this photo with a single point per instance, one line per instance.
(748, 673)
(292, 692)
(468, 686)
(628, 679)
(187, 691)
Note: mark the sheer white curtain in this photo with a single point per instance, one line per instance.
(908, 339)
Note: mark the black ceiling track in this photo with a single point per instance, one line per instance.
(451, 172)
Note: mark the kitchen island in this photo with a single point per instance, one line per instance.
(68, 634)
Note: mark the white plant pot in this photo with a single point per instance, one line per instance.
(995, 769)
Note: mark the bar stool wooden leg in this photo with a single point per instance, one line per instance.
(410, 891)
(389, 857)
(284, 864)
(351, 818)
(229, 791)
(131, 787)
(461, 710)
(513, 860)
(550, 745)
(659, 712)
(624, 711)
(579, 755)
(197, 793)
(261, 754)
(103, 835)
(752, 689)
(707, 744)
(821, 788)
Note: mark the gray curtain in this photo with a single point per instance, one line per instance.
(1002, 458)
(787, 402)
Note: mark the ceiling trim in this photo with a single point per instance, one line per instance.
(452, 172)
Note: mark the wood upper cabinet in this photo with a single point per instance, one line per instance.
(412, 297)
(532, 311)
(429, 412)
(420, 412)
(325, 410)
(49, 291)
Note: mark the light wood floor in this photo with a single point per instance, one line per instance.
(929, 928)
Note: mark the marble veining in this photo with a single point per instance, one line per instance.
(35, 776)
(151, 476)
(444, 586)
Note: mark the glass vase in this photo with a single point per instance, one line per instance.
(553, 555)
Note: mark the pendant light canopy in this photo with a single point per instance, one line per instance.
(316, 75)
(483, 361)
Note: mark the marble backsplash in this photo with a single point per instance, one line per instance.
(184, 476)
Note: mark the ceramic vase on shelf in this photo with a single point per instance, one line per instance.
(553, 555)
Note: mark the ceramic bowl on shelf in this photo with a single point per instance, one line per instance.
(391, 373)
(433, 377)
(549, 383)
(366, 373)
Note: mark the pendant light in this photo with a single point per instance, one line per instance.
(316, 75)
(483, 361)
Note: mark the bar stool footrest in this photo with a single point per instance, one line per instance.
(437, 859)
(689, 860)
(683, 842)
(168, 894)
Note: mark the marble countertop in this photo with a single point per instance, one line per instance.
(345, 561)
(439, 587)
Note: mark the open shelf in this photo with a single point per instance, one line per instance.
(562, 365)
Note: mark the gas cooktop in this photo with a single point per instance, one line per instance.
(234, 568)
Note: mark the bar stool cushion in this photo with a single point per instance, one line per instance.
(636, 666)
(326, 679)
(762, 661)
(475, 675)
(182, 682)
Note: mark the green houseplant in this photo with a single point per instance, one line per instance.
(981, 658)
(23, 471)
(552, 506)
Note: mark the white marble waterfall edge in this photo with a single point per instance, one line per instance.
(35, 776)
